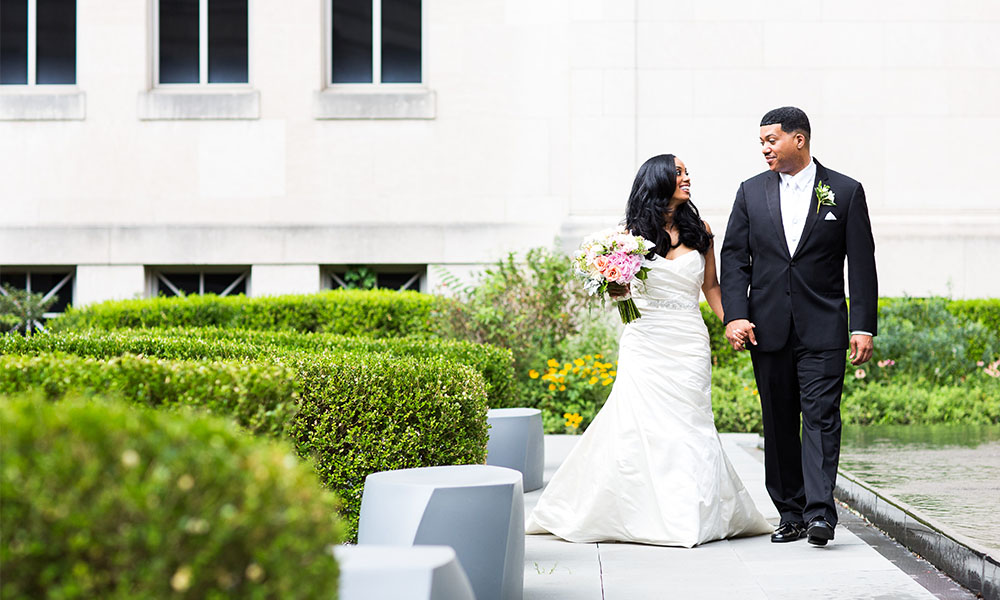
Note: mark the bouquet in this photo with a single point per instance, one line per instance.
(611, 257)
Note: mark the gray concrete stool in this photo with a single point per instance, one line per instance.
(517, 442)
(395, 573)
(476, 509)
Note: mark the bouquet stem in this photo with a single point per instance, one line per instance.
(628, 311)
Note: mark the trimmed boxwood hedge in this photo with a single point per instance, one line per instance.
(495, 364)
(101, 500)
(357, 413)
(376, 313)
(261, 397)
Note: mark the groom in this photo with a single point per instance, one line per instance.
(782, 277)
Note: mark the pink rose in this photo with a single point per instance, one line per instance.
(601, 262)
(612, 273)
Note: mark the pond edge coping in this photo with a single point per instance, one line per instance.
(965, 560)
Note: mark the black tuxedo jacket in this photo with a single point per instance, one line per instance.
(763, 283)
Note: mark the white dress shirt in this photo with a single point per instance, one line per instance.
(796, 193)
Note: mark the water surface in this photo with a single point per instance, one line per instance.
(947, 472)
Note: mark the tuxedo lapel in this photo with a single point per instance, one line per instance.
(813, 216)
(774, 206)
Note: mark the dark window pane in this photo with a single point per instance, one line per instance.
(18, 280)
(395, 281)
(187, 283)
(216, 283)
(227, 41)
(56, 42)
(42, 283)
(352, 41)
(14, 41)
(400, 41)
(178, 41)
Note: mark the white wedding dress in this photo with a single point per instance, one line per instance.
(651, 468)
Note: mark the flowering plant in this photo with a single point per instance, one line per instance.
(613, 257)
(825, 196)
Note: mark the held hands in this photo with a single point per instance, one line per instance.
(739, 331)
(862, 347)
(618, 292)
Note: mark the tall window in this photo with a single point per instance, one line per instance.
(183, 282)
(375, 41)
(202, 41)
(37, 42)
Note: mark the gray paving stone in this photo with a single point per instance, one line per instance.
(744, 569)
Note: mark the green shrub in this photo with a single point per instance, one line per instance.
(104, 501)
(495, 364)
(918, 403)
(735, 400)
(923, 339)
(357, 413)
(377, 313)
(261, 397)
(985, 311)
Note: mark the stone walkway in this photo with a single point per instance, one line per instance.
(741, 569)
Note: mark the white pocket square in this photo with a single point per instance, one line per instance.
(830, 217)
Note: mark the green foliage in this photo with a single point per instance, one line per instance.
(360, 278)
(918, 403)
(536, 307)
(20, 310)
(923, 339)
(104, 501)
(722, 352)
(357, 413)
(985, 311)
(261, 397)
(377, 313)
(494, 364)
(735, 400)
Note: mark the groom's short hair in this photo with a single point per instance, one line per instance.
(790, 118)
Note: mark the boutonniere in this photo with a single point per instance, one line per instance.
(825, 196)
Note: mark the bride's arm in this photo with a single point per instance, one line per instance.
(711, 289)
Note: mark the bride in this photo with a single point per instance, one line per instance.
(650, 468)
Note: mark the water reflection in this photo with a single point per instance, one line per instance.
(951, 473)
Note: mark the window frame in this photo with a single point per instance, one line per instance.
(158, 275)
(375, 100)
(34, 101)
(68, 279)
(416, 283)
(202, 84)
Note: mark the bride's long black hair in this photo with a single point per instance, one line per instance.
(649, 204)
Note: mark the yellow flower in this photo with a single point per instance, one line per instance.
(613, 373)
(576, 369)
(606, 382)
(567, 367)
(533, 374)
(578, 362)
(553, 362)
(589, 357)
(566, 415)
(593, 380)
(598, 356)
(552, 387)
(562, 388)
(754, 392)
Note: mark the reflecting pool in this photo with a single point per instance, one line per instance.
(949, 473)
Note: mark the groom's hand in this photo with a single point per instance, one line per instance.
(862, 348)
(738, 331)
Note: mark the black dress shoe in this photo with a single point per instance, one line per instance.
(789, 531)
(819, 532)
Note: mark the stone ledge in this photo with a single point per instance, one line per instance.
(39, 104)
(163, 104)
(375, 103)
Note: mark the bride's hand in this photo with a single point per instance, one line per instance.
(617, 292)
